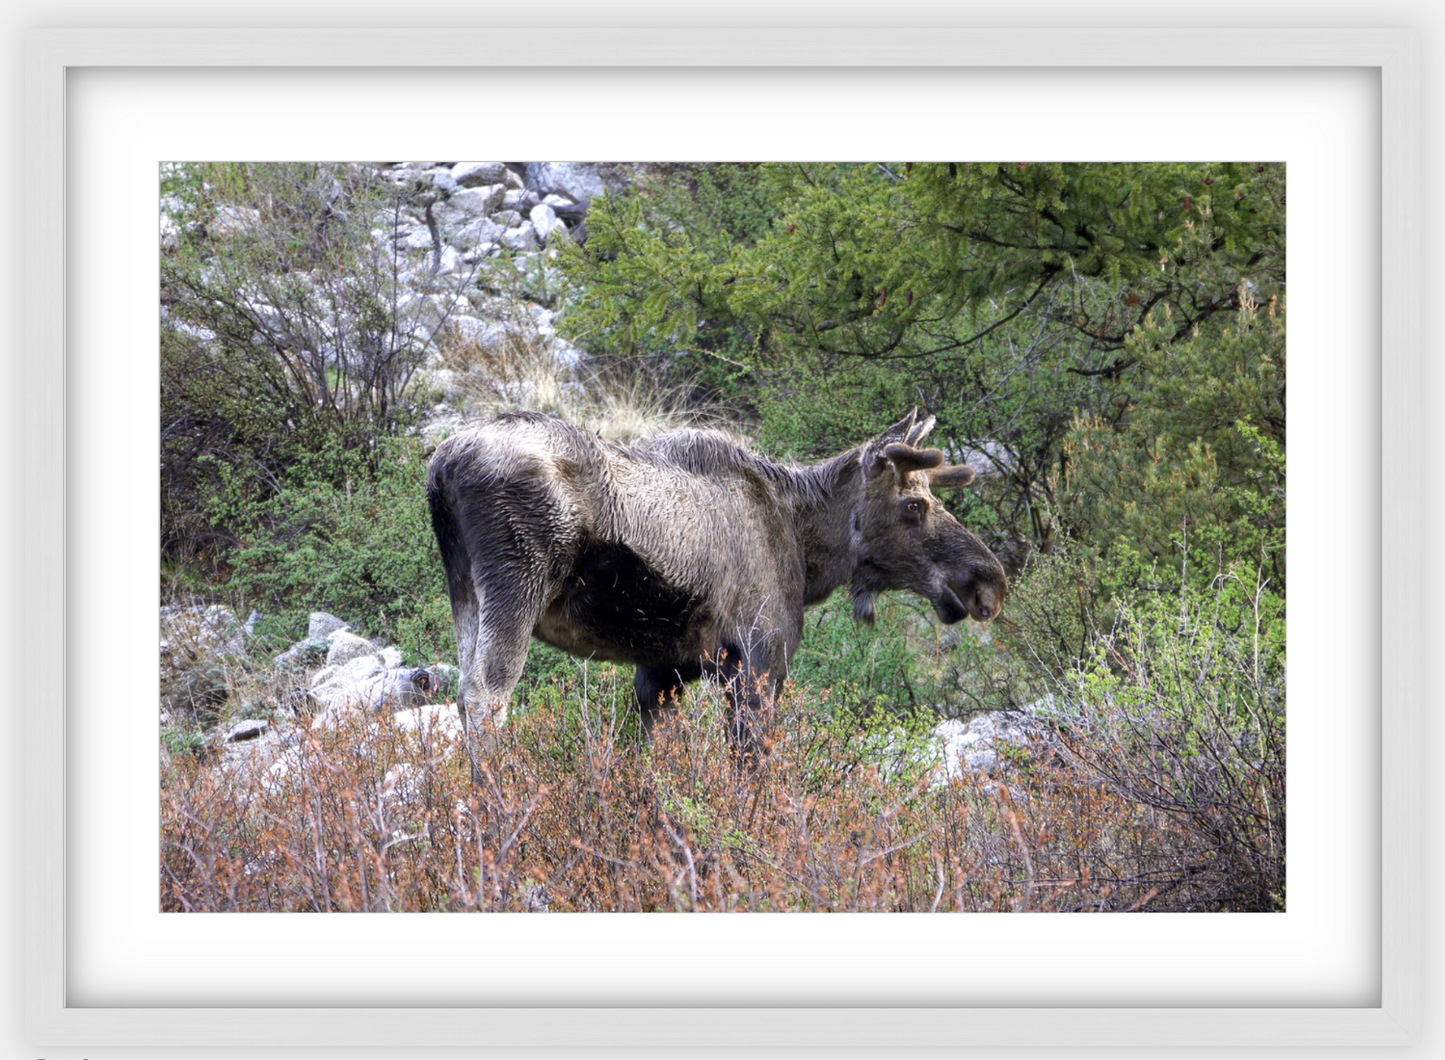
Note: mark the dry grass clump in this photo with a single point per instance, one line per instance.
(513, 369)
(577, 815)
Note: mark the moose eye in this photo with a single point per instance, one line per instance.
(913, 510)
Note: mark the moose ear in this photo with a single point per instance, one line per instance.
(947, 477)
(899, 431)
(919, 430)
(906, 458)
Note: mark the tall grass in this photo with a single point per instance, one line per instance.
(513, 369)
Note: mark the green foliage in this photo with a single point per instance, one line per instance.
(863, 668)
(361, 548)
(1001, 297)
(1181, 706)
(1200, 459)
(284, 328)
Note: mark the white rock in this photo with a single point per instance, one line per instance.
(472, 174)
(544, 221)
(346, 646)
(442, 179)
(579, 181)
(524, 237)
(476, 232)
(565, 355)
(414, 237)
(432, 719)
(478, 202)
(320, 624)
(451, 262)
(233, 220)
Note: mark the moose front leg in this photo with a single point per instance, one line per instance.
(659, 689)
(751, 687)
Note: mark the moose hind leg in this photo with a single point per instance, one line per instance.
(491, 667)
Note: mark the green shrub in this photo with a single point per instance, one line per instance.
(286, 326)
(361, 548)
(1176, 701)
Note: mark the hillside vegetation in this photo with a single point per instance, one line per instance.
(1105, 344)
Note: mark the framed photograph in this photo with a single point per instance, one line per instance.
(103, 966)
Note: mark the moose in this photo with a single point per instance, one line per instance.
(686, 555)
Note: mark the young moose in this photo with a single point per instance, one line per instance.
(685, 555)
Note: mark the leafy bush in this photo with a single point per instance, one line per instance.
(287, 325)
(1174, 696)
(361, 548)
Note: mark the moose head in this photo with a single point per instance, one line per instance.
(910, 541)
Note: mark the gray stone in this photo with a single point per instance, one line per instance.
(442, 180)
(189, 634)
(565, 355)
(302, 654)
(474, 174)
(451, 262)
(233, 221)
(476, 232)
(247, 730)
(414, 237)
(431, 719)
(346, 646)
(507, 218)
(974, 746)
(521, 238)
(579, 181)
(321, 625)
(545, 222)
(478, 202)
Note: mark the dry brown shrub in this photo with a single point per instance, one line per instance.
(575, 814)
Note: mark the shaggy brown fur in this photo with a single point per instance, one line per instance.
(684, 555)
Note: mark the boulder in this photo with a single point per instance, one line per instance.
(578, 181)
(346, 646)
(303, 654)
(432, 719)
(249, 729)
(478, 202)
(476, 174)
(974, 746)
(189, 634)
(232, 221)
(545, 222)
(522, 238)
(321, 625)
(477, 232)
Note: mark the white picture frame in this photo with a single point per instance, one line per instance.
(50, 54)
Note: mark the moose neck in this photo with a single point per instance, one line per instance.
(828, 500)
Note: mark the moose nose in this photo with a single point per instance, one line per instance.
(983, 612)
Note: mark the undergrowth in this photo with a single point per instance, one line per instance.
(577, 815)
